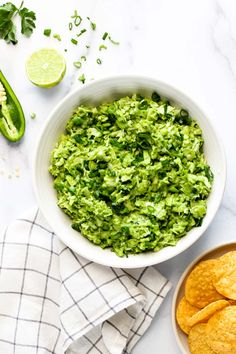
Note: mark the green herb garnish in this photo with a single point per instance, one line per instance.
(82, 78)
(99, 61)
(27, 21)
(77, 18)
(87, 46)
(47, 32)
(81, 32)
(70, 26)
(112, 41)
(8, 28)
(32, 115)
(92, 24)
(102, 46)
(57, 36)
(77, 64)
(83, 57)
(74, 41)
(104, 36)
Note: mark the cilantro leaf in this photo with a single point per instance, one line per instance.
(27, 21)
(7, 27)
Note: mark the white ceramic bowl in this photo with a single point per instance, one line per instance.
(94, 93)
(215, 252)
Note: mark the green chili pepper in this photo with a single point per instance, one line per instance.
(12, 120)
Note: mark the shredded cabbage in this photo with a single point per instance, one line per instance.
(131, 174)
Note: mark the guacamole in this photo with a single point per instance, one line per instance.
(131, 174)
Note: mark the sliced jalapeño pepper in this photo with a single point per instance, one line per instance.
(12, 119)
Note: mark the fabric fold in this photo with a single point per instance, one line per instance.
(53, 300)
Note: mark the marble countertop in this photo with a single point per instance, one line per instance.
(190, 44)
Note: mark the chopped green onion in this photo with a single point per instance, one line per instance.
(75, 14)
(99, 61)
(81, 32)
(112, 41)
(57, 36)
(102, 46)
(77, 18)
(92, 24)
(32, 115)
(70, 26)
(104, 36)
(47, 32)
(77, 64)
(87, 46)
(83, 57)
(74, 41)
(77, 21)
(82, 78)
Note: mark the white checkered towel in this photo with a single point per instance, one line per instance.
(54, 301)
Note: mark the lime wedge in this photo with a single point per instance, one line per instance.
(46, 67)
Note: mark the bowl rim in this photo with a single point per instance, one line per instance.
(166, 85)
(180, 282)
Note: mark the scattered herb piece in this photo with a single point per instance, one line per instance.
(81, 32)
(87, 46)
(70, 26)
(57, 36)
(27, 21)
(77, 64)
(102, 46)
(99, 61)
(77, 18)
(104, 36)
(47, 32)
(74, 41)
(8, 29)
(82, 78)
(92, 24)
(83, 57)
(75, 14)
(32, 115)
(112, 41)
(77, 21)
(65, 50)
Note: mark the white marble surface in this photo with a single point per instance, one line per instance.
(191, 44)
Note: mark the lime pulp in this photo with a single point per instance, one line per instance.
(46, 67)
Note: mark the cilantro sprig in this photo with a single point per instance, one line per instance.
(8, 29)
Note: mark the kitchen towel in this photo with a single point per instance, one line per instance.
(54, 301)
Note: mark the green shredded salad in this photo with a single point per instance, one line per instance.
(131, 174)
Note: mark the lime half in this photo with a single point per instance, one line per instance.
(46, 67)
